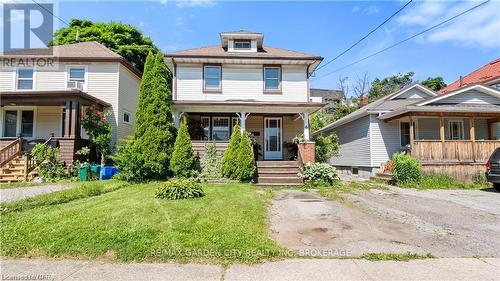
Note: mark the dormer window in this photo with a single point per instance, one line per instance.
(242, 44)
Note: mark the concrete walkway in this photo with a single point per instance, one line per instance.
(18, 193)
(292, 269)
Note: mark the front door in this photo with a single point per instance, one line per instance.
(273, 149)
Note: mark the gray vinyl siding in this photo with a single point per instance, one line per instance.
(481, 129)
(428, 129)
(354, 140)
(385, 140)
(470, 97)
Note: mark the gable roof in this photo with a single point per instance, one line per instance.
(484, 74)
(420, 87)
(85, 51)
(479, 87)
(380, 106)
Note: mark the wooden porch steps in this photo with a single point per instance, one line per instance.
(14, 171)
(278, 173)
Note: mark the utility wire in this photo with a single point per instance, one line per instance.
(366, 36)
(50, 12)
(402, 41)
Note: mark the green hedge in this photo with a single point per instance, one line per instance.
(175, 189)
(407, 169)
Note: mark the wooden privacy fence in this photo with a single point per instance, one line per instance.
(454, 151)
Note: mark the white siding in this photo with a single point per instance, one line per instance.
(470, 97)
(48, 121)
(103, 84)
(354, 140)
(242, 82)
(127, 101)
(385, 140)
(51, 78)
(7, 78)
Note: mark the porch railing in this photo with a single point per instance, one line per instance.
(199, 147)
(454, 150)
(10, 151)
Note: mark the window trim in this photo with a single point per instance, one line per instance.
(85, 68)
(129, 117)
(242, 40)
(19, 110)
(212, 90)
(280, 76)
(228, 128)
(16, 82)
(209, 136)
(462, 132)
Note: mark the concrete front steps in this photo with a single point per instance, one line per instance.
(278, 173)
(14, 171)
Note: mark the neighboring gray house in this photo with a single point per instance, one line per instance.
(453, 132)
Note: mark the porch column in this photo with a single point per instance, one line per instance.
(472, 134)
(243, 117)
(306, 126)
(441, 128)
(72, 119)
(177, 118)
(412, 134)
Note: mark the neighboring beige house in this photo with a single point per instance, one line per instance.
(46, 99)
(242, 80)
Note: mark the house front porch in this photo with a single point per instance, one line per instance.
(50, 117)
(455, 143)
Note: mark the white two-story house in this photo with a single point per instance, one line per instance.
(242, 80)
(44, 91)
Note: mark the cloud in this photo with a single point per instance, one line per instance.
(477, 28)
(355, 9)
(371, 10)
(195, 3)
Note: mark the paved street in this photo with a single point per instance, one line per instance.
(293, 269)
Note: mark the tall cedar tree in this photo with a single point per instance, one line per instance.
(246, 165)
(155, 135)
(211, 163)
(183, 163)
(124, 39)
(229, 158)
(144, 96)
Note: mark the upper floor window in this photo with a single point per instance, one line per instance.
(25, 79)
(76, 77)
(212, 76)
(272, 78)
(242, 44)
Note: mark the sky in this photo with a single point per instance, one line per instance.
(324, 28)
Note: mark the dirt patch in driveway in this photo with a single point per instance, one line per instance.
(394, 221)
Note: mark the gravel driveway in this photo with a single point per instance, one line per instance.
(12, 194)
(457, 223)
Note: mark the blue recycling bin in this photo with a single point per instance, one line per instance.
(108, 172)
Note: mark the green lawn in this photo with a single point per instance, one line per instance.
(229, 224)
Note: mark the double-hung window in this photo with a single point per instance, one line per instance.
(212, 76)
(272, 78)
(14, 125)
(25, 79)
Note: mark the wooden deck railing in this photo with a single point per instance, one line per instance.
(10, 151)
(454, 151)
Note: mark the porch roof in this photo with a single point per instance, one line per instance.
(49, 98)
(457, 110)
(249, 106)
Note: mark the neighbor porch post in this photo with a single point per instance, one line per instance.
(472, 134)
(441, 128)
(412, 133)
(306, 126)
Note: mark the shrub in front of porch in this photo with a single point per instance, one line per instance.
(407, 169)
(96, 125)
(183, 164)
(230, 156)
(211, 163)
(246, 164)
(319, 174)
(45, 158)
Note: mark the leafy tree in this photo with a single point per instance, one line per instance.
(326, 147)
(124, 39)
(434, 83)
(98, 128)
(246, 165)
(389, 85)
(183, 163)
(154, 136)
(229, 158)
(320, 118)
(211, 163)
